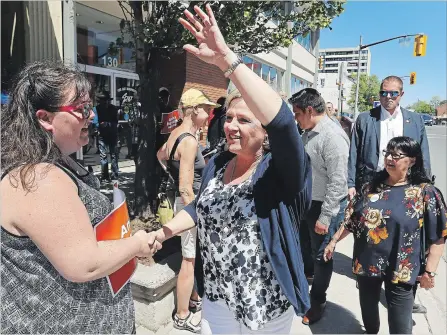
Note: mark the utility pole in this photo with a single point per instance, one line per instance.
(421, 44)
(288, 74)
(356, 107)
(340, 88)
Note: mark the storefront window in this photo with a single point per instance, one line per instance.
(100, 83)
(265, 72)
(97, 34)
(257, 68)
(273, 78)
(127, 96)
(304, 41)
(248, 61)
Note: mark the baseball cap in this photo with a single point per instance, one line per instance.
(194, 97)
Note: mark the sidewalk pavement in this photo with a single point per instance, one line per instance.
(343, 315)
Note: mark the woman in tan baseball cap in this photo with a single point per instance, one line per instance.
(181, 158)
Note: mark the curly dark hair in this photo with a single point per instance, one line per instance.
(410, 148)
(39, 85)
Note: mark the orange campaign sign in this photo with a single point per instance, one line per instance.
(115, 226)
(169, 121)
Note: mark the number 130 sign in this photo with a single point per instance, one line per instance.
(110, 61)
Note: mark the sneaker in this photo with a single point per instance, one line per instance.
(186, 323)
(419, 309)
(195, 305)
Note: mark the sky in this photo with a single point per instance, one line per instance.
(379, 20)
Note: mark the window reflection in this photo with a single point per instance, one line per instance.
(265, 72)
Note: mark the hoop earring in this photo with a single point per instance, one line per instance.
(409, 172)
(266, 143)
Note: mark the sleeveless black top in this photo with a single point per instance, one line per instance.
(174, 165)
(36, 299)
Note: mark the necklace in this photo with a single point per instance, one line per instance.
(234, 168)
(226, 230)
(226, 225)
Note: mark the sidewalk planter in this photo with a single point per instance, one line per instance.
(153, 289)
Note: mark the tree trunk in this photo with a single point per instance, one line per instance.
(146, 178)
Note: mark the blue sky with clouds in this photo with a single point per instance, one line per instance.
(378, 20)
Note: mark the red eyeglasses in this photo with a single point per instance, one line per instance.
(85, 109)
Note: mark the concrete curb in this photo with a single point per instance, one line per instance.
(121, 165)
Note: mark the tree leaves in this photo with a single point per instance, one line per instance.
(247, 24)
(368, 92)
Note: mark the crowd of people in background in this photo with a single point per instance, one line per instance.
(259, 213)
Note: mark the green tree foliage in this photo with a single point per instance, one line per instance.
(156, 34)
(422, 107)
(368, 92)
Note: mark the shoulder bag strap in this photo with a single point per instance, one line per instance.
(174, 148)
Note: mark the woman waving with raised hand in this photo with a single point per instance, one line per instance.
(249, 268)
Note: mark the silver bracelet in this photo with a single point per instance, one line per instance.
(233, 66)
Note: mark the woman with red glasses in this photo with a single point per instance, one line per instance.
(399, 226)
(52, 267)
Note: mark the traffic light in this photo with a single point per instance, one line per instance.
(420, 45)
(412, 78)
(320, 63)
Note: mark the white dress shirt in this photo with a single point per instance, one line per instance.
(390, 126)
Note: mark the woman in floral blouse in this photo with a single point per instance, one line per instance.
(393, 220)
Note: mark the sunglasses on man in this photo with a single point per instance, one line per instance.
(393, 94)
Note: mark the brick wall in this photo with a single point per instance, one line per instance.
(173, 76)
(205, 77)
(441, 110)
(184, 71)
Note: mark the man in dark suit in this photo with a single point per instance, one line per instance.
(372, 132)
(374, 129)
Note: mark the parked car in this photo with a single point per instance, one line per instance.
(428, 119)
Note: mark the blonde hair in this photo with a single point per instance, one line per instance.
(234, 94)
(187, 111)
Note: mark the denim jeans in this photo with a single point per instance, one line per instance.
(108, 144)
(399, 298)
(322, 269)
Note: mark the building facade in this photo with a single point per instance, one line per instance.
(82, 31)
(337, 65)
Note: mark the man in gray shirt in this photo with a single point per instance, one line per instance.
(328, 147)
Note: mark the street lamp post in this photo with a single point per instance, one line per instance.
(288, 74)
(356, 107)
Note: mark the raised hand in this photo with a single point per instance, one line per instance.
(212, 47)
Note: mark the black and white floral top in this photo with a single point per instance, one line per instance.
(236, 268)
(387, 228)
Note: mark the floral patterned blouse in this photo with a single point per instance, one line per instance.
(236, 267)
(387, 230)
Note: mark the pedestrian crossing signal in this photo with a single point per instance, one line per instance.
(412, 78)
(420, 45)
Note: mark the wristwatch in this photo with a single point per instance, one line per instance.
(233, 66)
(431, 274)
